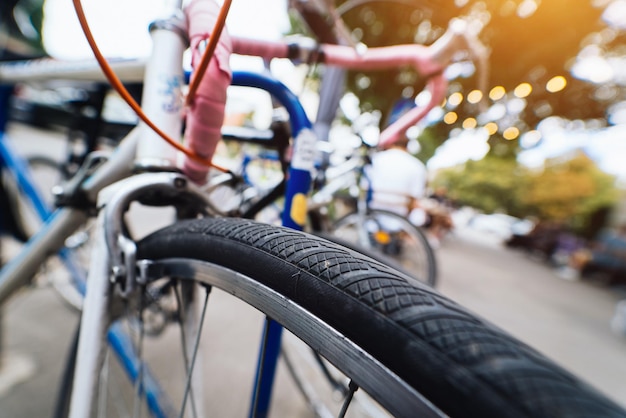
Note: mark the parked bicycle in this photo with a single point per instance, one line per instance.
(411, 349)
(338, 207)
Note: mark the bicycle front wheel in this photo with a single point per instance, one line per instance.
(412, 350)
(394, 237)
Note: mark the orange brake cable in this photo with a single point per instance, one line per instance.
(121, 90)
(208, 52)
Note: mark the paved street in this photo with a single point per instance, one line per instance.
(566, 320)
(569, 321)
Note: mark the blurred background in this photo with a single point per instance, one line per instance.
(530, 167)
(552, 114)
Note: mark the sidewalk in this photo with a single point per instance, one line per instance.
(569, 321)
(38, 330)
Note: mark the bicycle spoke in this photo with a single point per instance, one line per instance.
(336, 385)
(305, 389)
(183, 339)
(180, 304)
(194, 357)
(110, 389)
(352, 388)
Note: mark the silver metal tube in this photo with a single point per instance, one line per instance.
(129, 70)
(95, 320)
(118, 167)
(18, 272)
(63, 223)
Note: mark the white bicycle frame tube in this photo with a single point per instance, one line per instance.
(162, 103)
(95, 320)
(162, 99)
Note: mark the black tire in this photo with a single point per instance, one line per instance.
(410, 249)
(462, 364)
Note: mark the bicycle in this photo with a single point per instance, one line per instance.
(375, 229)
(77, 121)
(380, 334)
(338, 208)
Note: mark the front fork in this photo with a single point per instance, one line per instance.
(112, 278)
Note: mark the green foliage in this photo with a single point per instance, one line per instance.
(430, 139)
(491, 184)
(381, 23)
(28, 33)
(568, 189)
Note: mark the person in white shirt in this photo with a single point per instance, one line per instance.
(398, 180)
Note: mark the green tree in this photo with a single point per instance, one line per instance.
(568, 189)
(490, 185)
(430, 139)
(20, 28)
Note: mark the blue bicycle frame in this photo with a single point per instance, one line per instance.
(294, 215)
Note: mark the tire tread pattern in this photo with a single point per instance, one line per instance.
(463, 364)
(353, 218)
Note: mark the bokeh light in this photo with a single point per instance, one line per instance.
(455, 99)
(527, 8)
(491, 128)
(530, 139)
(450, 118)
(497, 93)
(510, 133)
(555, 84)
(475, 96)
(523, 90)
(469, 123)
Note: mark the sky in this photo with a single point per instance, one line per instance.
(606, 146)
(115, 22)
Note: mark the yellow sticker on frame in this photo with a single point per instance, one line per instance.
(298, 209)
